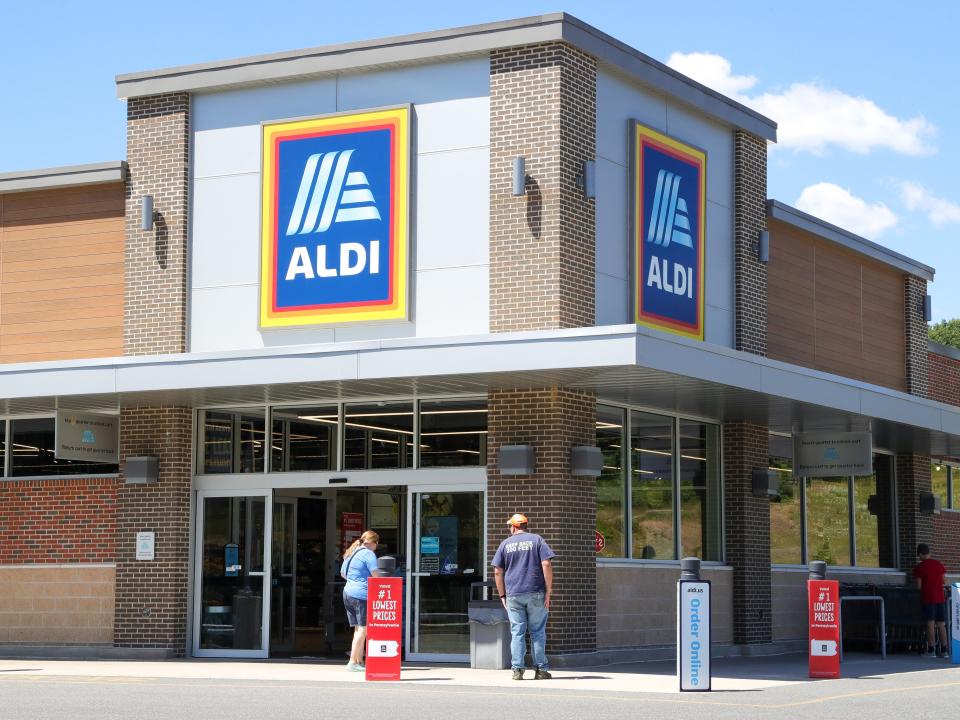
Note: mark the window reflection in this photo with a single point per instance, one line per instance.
(378, 436)
(651, 452)
(611, 485)
(786, 510)
(33, 448)
(828, 521)
(234, 441)
(453, 433)
(304, 438)
(700, 490)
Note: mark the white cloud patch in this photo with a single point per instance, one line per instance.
(838, 206)
(939, 211)
(811, 117)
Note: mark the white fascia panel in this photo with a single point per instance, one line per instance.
(879, 405)
(67, 381)
(782, 382)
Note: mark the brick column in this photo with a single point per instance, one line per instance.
(747, 528)
(750, 217)
(913, 478)
(155, 295)
(151, 602)
(915, 332)
(542, 257)
(542, 276)
(561, 508)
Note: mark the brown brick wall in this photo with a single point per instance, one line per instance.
(561, 508)
(58, 521)
(913, 478)
(158, 145)
(151, 596)
(749, 218)
(946, 540)
(943, 378)
(915, 329)
(542, 258)
(747, 528)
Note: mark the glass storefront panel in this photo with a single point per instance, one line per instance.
(611, 485)
(453, 433)
(700, 498)
(234, 441)
(448, 556)
(304, 438)
(828, 520)
(33, 443)
(786, 510)
(651, 452)
(939, 481)
(378, 436)
(232, 573)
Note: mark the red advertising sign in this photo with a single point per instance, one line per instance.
(384, 615)
(823, 601)
(599, 541)
(351, 527)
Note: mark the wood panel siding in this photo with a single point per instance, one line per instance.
(61, 273)
(832, 309)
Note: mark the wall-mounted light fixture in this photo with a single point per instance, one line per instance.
(516, 459)
(762, 246)
(929, 504)
(519, 176)
(927, 308)
(146, 213)
(586, 461)
(141, 470)
(587, 181)
(765, 483)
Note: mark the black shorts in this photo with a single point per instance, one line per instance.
(356, 610)
(935, 611)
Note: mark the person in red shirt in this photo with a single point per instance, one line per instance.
(929, 574)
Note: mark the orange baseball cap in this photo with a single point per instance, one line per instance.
(518, 519)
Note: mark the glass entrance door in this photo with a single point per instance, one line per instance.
(447, 551)
(233, 566)
(283, 575)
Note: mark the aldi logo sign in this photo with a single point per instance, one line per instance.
(334, 219)
(669, 196)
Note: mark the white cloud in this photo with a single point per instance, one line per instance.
(838, 206)
(811, 117)
(939, 211)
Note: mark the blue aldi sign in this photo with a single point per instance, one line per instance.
(669, 197)
(334, 244)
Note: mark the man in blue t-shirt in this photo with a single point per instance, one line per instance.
(524, 577)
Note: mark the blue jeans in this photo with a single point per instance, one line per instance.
(527, 612)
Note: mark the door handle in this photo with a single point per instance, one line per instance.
(419, 574)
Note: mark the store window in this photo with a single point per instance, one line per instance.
(945, 481)
(846, 521)
(378, 436)
(304, 438)
(786, 510)
(670, 486)
(612, 483)
(32, 443)
(453, 433)
(234, 441)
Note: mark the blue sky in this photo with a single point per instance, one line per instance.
(864, 92)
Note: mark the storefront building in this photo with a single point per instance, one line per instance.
(327, 288)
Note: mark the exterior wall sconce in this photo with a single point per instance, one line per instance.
(762, 246)
(519, 176)
(588, 179)
(146, 213)
(586, 461)
(929, 503)
(516, 459)
(141, 470)
(927, 308)
(765, 483)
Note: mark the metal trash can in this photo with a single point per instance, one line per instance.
(489, 631)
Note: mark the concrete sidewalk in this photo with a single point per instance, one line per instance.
(729, 675)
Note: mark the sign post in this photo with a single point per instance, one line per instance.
(384, 613)
(694, 647)
(955, 623)
(823, 602)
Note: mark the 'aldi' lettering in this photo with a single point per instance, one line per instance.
(669, 219)
(334, 218)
